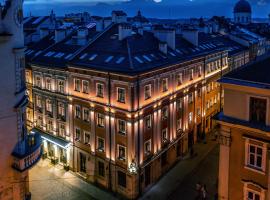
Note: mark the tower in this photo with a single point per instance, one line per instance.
(242, 12)
(19, 150)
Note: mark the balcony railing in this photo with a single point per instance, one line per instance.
(27, 153)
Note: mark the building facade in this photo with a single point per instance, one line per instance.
(244, 134)
(20, 150)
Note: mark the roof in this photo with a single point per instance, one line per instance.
(255, 74)
(34, 22)
(242, 6)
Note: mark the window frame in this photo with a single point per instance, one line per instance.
(121, 98)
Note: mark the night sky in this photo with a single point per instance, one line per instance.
(150, 8)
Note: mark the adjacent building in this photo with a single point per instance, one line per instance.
(244, 133)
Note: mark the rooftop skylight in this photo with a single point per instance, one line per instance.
(50, 53)
(83, 56)
(147, 58)
(109, 59)
(121, 59)
(138, 59)
(93, 57)
(69, 56)
(59, 55)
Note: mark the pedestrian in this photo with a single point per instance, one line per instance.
(198, 189)
(204, 192)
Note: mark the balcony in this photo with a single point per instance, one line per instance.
(27, 153)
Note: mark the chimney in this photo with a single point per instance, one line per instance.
(163, 47)
(99, 24)
(124, 31)
(82, 32)
(43, 32)
(191, 35)
(166, 35)
(60, 34)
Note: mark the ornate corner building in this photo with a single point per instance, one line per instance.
(20, 149)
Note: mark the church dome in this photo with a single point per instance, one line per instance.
(242, 6)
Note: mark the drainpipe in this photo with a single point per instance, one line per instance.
(110, 132)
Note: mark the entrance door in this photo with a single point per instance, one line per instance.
(82, 163)
(147, 175)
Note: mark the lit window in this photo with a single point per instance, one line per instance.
(191, 74)
(85, 88)
(100, 90)
(122, 128)
(190, 116)
(100, 144)
(61, 109)
(62, 130)
(165, 135)
(61, 86)
(77, 85)
(179, 104)
(49, 105)
(50, 126)
(121, 95)
(147, 92)
(148, 122)
(100, 120)
(86, 114)
(164, 113)
(147, 147)
(77, 134)
(165, 85)
(39, 121)
(38, 101)
(121, 152)
(78, 111)
(179, 79)
(38, 81)
(48, 83)
(86, 137)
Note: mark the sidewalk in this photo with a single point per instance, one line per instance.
(52, 182)
(168, 184)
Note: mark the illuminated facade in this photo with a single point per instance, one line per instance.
(121, 117)
(244, 134)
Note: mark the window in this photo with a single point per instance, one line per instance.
(147, 147)
(121, 95)
(165, 135)
(255, 155)
(198, 112)
(86, 137)
(77, 134)
(61, 86)
(100, 144)
(257, 110)
(101, 169)
(121, 152)
(179, 124)
(38, 101)
(85, 88)
(190, 116)
(190, 98)
(100, 90)
(179, 79)
(164, 113)
(122, 180)
(50, 125)
(251, 195)
(49, 105)
(179, 104)
(62, 130)
(100, 120)
(61, 109)
(200, 71)
(122, 128)
(77, 85)
(165, 85)
(38, 81)
(148, 122)
(39, 121)
(78, 111)
(191, 74)
(86, 114)
(147, 92)
(48, 83)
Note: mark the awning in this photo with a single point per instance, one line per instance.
(53, 139)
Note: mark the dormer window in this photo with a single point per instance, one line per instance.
(257, 110)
